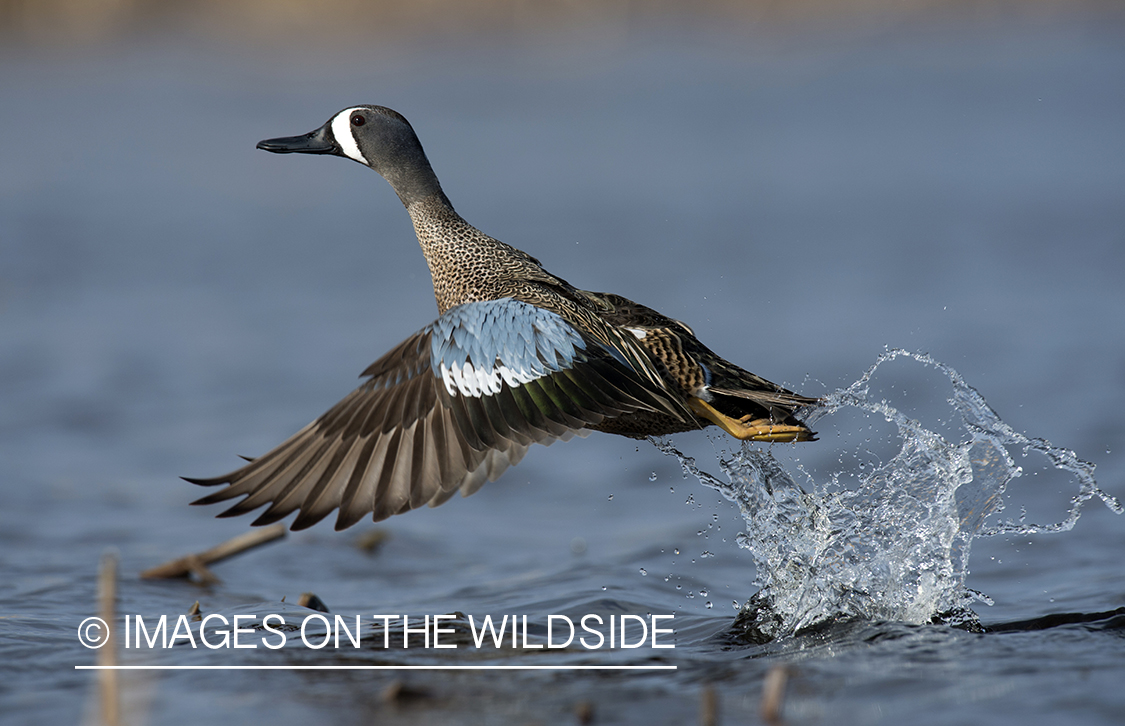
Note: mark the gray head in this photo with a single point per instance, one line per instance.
(376, 137)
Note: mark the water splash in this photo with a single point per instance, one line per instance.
(894, 544)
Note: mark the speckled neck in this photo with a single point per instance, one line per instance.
(463, 261)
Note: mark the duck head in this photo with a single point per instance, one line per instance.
(376, 137)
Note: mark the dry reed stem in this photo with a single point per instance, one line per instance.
(197, 564)
(773, 694)
(109, 686)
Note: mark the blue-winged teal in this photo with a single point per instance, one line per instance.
(518, 356)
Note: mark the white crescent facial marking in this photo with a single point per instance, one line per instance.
(342, 130)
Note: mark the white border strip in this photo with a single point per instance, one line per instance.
(374, 668)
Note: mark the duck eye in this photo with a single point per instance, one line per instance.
(358, 119)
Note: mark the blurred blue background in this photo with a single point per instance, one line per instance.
(803, 183)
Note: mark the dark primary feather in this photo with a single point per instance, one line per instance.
(402, 439)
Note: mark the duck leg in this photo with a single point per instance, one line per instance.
(748, 428)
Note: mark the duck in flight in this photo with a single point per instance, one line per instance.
(517, 356)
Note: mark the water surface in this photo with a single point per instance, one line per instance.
(172, 297)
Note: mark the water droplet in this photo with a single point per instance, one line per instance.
(708, 604)
(643, 572)
(703, 592)
(706, 553)
(871, 489)
(604, 588)
(611, 497)
(652, 476)
(676, 551)
(678, 587)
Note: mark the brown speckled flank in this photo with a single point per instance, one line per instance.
(518, 356)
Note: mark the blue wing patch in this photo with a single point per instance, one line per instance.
(477, 346)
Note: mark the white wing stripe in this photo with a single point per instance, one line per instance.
(477, 382)
(476, 347)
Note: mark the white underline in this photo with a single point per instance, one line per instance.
(374, 668)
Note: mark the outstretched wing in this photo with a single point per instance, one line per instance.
(449, 408)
